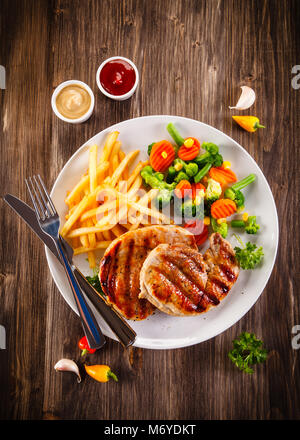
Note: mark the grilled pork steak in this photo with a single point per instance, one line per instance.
(180, 281)
(222, 267)
(173, 278)
(121, 264)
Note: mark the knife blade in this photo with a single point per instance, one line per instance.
(124, 333)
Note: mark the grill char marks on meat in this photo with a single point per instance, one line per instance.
(180, 281)
(222, 266)
(121, 264)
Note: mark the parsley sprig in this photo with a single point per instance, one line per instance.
(247, 351)
(248, 256)
(95, 282)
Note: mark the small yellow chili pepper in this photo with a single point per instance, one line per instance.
(206, 221)
(248, 123)
(164, 154)
(101, 373)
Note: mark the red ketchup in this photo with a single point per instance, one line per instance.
(117, 77)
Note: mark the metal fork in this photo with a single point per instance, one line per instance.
(49, 222)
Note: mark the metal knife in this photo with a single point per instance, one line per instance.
(125, 334)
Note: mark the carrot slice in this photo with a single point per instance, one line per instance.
(223, 208)
(196, 187)
(189, 152)
(223, 176)
(162, 155)
(183, 188)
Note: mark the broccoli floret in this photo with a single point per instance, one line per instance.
(164, 198)
(191, 169)
(236, 196)
(222, 228)
(171, 174)
(207, 205)
(234, 193)
(181, 176)
(155, 180)
(252, 227)
(188, 209)
(159, 176)
(212, 155)
(213, 190)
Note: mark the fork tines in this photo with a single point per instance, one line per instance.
(44, 207)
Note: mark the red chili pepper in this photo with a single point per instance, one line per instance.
(199, 229)
(84, 346)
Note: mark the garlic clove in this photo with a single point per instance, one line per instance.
(246, 99)
(68, 365)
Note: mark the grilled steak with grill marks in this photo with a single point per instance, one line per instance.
(121, 264)
(180, 281)
(222, 267)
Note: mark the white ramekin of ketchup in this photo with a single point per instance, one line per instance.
(73, 101)
(117, 78)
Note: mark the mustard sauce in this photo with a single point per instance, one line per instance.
(73, 101)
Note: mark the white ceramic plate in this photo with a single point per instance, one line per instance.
(161, 331)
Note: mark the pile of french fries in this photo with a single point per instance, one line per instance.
(108, 200)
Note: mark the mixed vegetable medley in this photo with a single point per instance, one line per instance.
(202, 188)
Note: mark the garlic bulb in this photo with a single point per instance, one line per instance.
(68, 365)
(246, 99)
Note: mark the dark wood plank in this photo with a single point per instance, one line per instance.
(193, 56)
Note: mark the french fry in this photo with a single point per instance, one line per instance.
(92, 235)
(125, 162)
(144, 201)
(93, 168)
(83, 183)
(100, 245)
(116, 217)
(142, 209)
(109, 143)
(92, 227)
(135, 173)
(80, 208)
(117, 230)
(107, 235)
(84, 230)
(92, 259)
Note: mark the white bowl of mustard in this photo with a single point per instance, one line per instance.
(73, 101)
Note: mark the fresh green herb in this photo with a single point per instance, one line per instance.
(247, 351)
(248, 256)
(95, 282)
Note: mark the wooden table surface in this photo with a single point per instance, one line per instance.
(193, 56)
